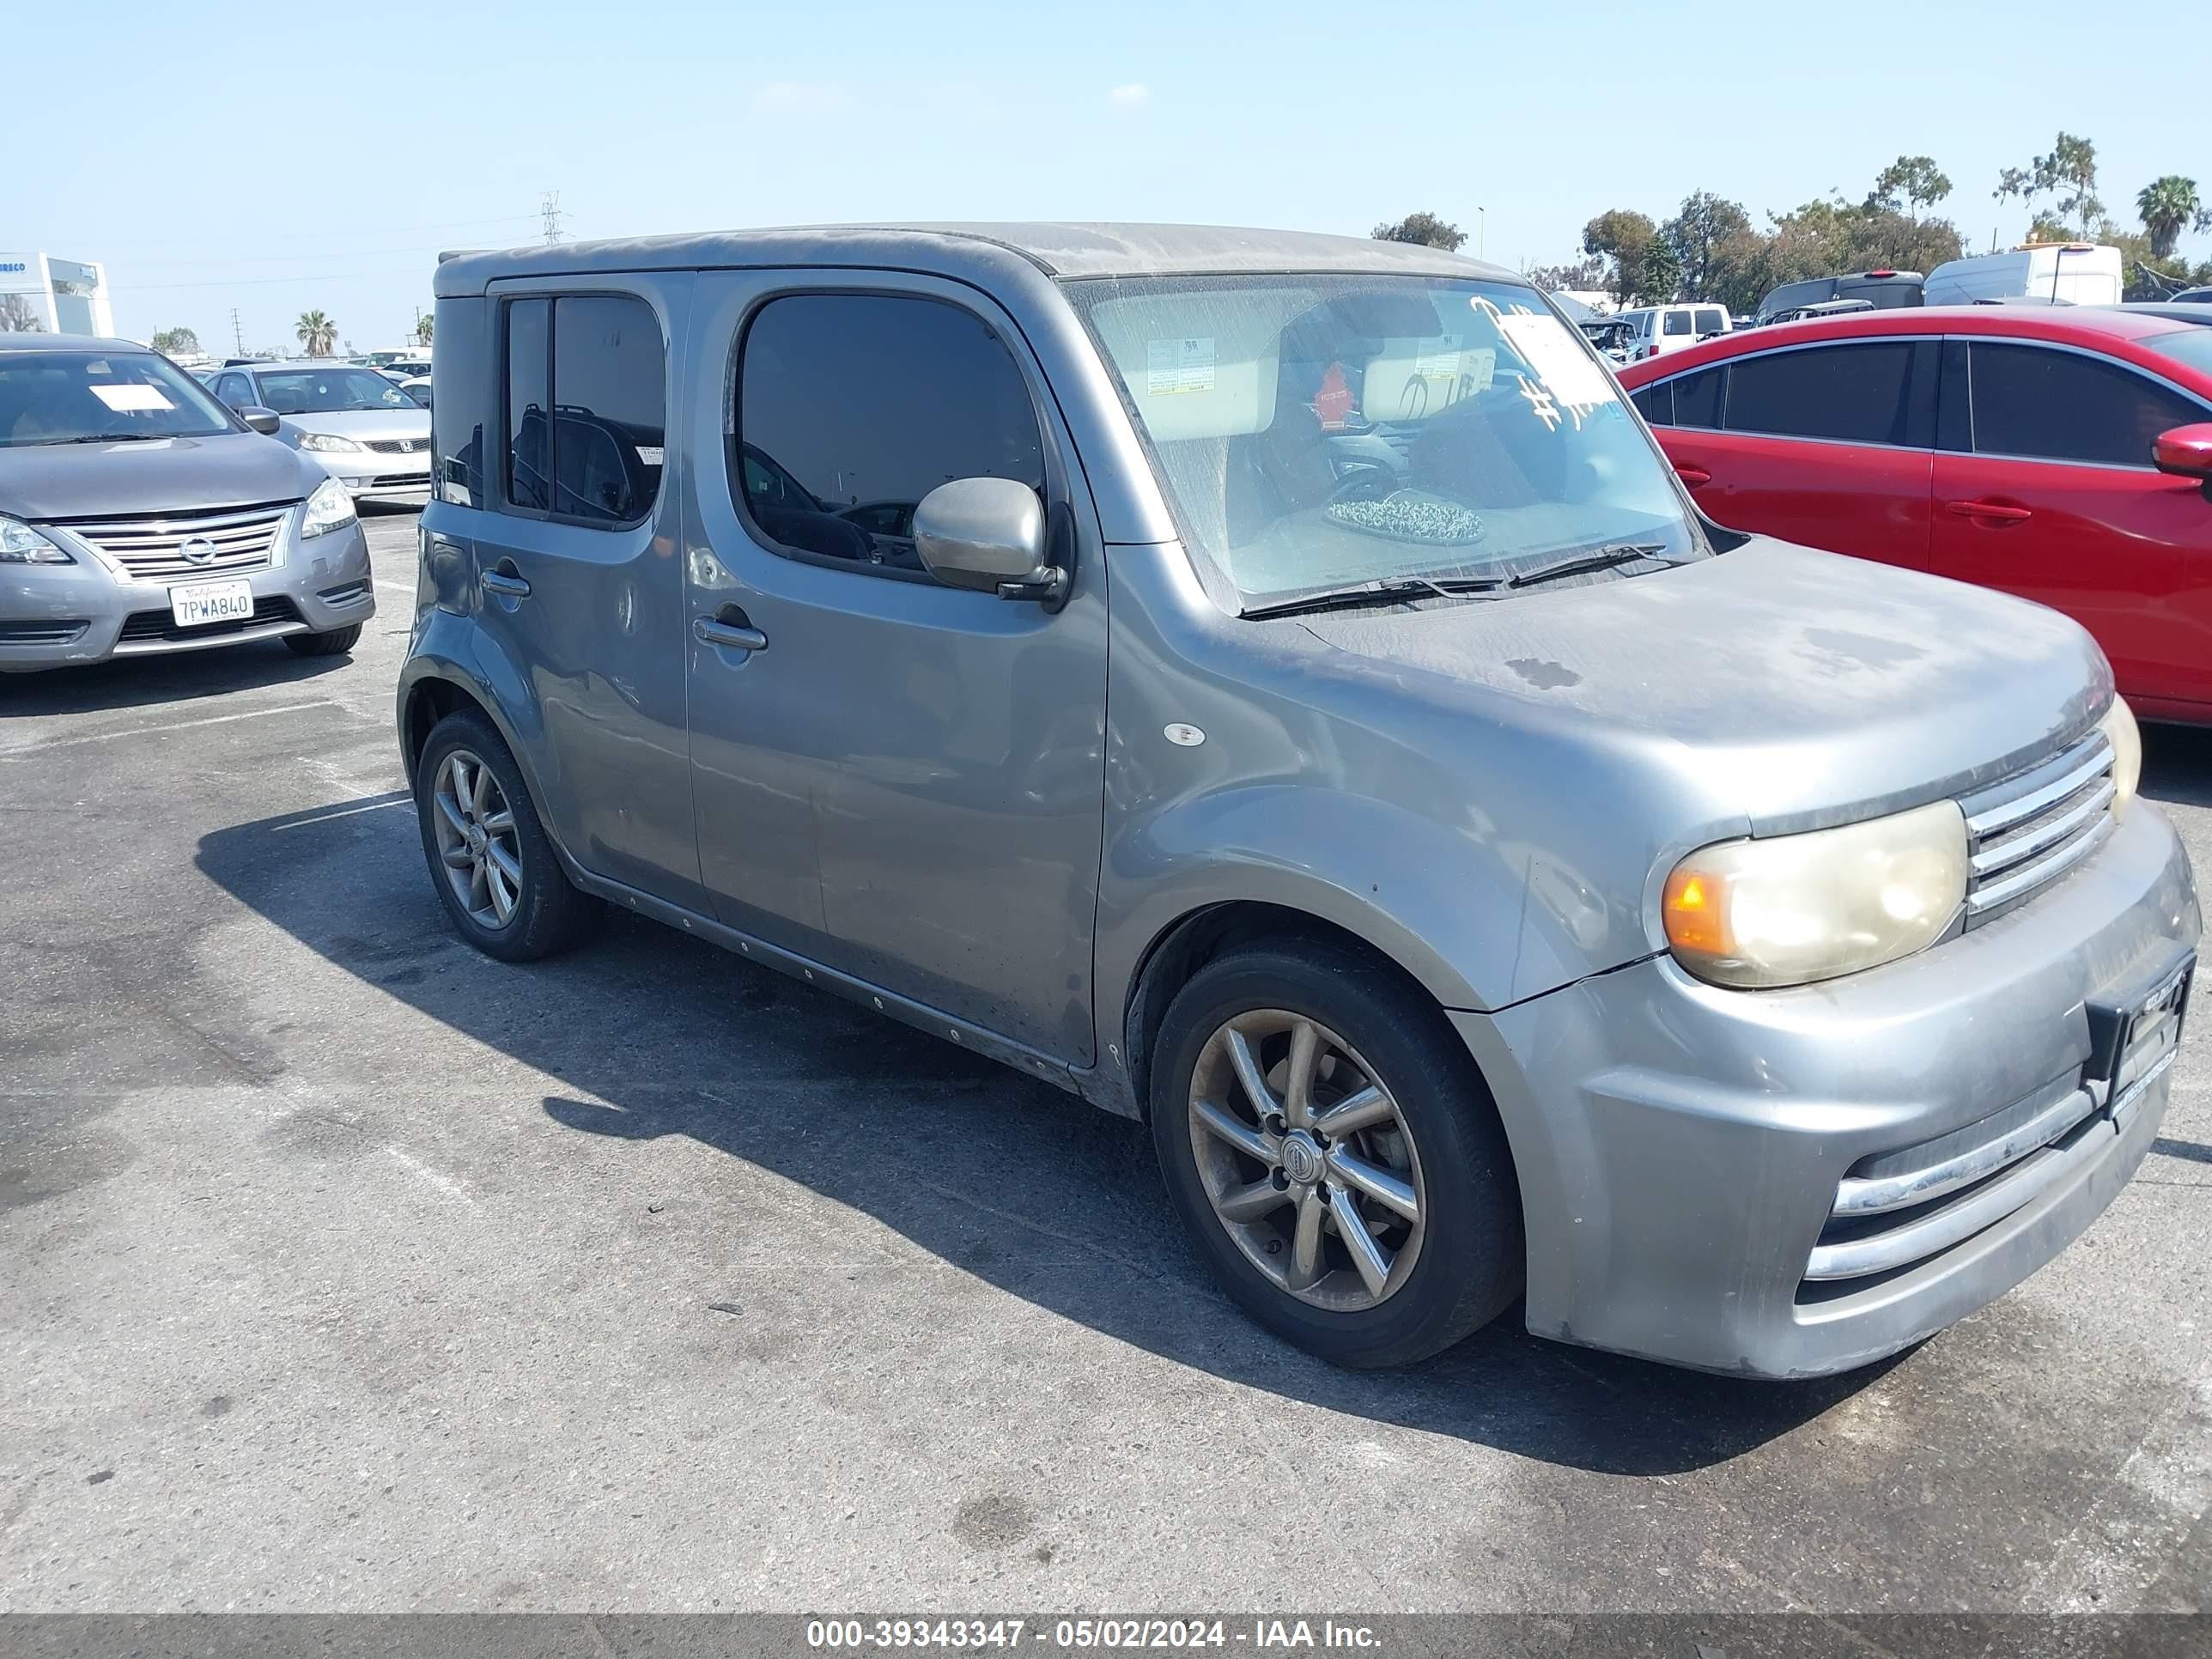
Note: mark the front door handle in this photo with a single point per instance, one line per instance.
(1995, 511)
(736, 632)
(1692, 476)
(499, 581)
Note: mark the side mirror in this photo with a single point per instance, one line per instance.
(988, 534)
(2186, 452)
(264, 421)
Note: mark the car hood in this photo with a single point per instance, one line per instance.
(1801, 689)
(168, 474)
(359, 423)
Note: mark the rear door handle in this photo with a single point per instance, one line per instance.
(733, 629)
(498, 581)
(1994, 511)
(1694, 475)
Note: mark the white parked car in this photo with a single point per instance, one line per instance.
(366, 433)
(1662, 329)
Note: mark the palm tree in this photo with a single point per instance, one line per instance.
(425, 326)
(317, 332)
(2168, 207)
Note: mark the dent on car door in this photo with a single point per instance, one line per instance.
(2056, 501)
(943, 748)
(1827, 445)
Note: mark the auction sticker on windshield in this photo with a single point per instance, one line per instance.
(130, 396)
(1569, 373)
(1173, 366)
(211, 602)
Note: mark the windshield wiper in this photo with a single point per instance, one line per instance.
(1392, 590)
(114, 438)
(1601, 558)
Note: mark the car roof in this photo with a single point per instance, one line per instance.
(1063, 250)
(66, 342)
(2086, 325)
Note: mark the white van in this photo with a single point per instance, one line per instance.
(1662, 329)
(2074, 273)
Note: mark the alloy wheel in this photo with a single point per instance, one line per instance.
(1307, 1160)
(477, 840)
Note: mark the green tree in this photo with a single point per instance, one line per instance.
(1914, 181)
(425, 325)
(2168, 206)
(174, 342)
(1706, 238)
(317, 332)
(1425, 228)
(1582, 275)
(1626, 241)
(2070, 173)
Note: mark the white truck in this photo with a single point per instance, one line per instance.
(2075, 273)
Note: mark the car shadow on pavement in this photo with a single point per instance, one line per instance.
(998, 1175)
(152, 682)
(2178, 764)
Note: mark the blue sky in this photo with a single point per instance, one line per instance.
(277, 158)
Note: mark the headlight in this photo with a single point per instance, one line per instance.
(1795, 908)
(329, 508)
(2119, 726)
(329, 443)
(21, 544)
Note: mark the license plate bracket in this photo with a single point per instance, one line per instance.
(2125, 1018)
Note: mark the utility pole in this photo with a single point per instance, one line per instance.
(237, 334)
(549, 209)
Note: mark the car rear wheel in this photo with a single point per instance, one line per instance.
(491, 862)
(1334, 1155)
(334, 643)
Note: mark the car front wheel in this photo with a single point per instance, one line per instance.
(1334, 1155)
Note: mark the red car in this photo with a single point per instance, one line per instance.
(2058, 454)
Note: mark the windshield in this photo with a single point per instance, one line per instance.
(2190, 344)
(329, 390)
(82, 397)
(1317, 431)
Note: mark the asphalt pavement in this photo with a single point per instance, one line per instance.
(343, 1269)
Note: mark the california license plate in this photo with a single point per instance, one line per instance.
(211, 602)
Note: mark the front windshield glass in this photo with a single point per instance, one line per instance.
(329, 390)
(1314, 432)
(87, 397)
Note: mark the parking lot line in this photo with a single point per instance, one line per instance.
(24, 750)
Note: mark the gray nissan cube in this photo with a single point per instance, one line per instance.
(1272, 686)
(139, 517)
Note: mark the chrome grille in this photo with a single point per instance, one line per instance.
(2025, 833)
(155, 548)
(397, 446)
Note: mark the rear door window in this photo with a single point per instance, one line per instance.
(2046, 405)
(587, 407)
(1865, 393)
(1675, 322)
(609, 408)
(1712, 320)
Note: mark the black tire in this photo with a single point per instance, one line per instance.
(335, 643)
(550, 914)
(1471, 1259)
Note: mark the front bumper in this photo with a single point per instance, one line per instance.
(1691, 1157)
(54, 615)
(370, 476)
